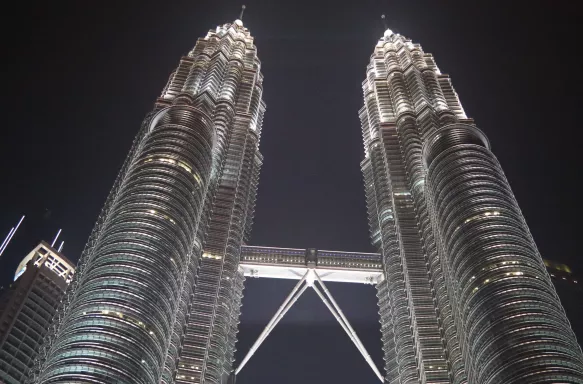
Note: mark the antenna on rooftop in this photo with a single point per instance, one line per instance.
(56, 237)
(6, 239)
(242, 11)
(9, 236)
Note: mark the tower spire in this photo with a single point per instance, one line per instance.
(242, 11)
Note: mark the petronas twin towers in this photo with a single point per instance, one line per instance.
(463, 293)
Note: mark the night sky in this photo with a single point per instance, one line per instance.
(78, 78)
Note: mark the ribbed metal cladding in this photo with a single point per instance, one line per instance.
(118, 321)
(510, 321)
(210, 333)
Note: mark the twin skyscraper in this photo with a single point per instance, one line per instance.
(464, 296)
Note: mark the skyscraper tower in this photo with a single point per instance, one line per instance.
(27, 307)
(466, 297)
(190, 179)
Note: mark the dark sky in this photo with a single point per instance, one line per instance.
(78, 77)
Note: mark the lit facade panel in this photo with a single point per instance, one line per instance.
(27, 308)
(465, 296)
(131, 303)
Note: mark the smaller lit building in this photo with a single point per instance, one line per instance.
(569, 287)
(562, 273)
(27, 308)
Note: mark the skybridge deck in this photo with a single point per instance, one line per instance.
(292, 263)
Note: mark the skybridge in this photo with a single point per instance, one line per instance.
(311, 267)
(293, 263)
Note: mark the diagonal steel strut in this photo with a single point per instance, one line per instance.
(352, 336)
(339, 315)
(287, 304)
(330, 303)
